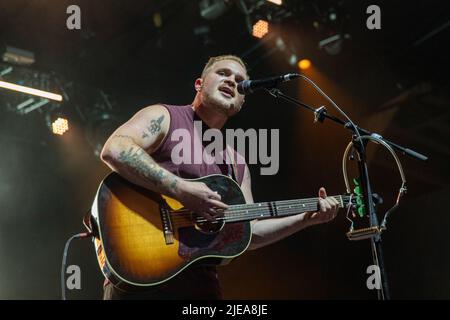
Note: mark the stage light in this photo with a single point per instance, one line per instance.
(56, 119)
(331, 27)
(332, 16)
(60, 126)
(304, 64)
(157, 20)
(293, 60)
(18, 56)
(260, 29)
(212, 9)
(280, 44)
(277, 2)
(28, 90)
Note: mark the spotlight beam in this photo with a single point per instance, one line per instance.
(28, 90)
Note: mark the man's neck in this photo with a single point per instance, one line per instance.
(213, 118)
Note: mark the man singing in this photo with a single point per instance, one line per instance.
(140, 151)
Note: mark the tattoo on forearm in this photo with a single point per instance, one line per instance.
(154, 128)
(134, 159)
(173, 185)
(123, 136)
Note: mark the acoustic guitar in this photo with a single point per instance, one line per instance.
(143, 239)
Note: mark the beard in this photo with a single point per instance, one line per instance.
(215, 100)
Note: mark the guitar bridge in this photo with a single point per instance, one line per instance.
(166, 223)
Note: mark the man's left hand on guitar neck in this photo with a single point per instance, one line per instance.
(328, 209)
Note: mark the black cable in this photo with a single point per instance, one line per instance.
(334, 105)
(63, 265)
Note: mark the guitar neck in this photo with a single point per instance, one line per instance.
(273, 209)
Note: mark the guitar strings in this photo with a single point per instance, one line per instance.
(292, 205)
(255, 211)
(282, 202)
(237, 209)
(238, 215)
(253, 206)
(185, 221)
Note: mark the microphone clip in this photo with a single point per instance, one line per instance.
(319, 114)
(274, 92)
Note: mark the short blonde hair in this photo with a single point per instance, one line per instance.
(213, 60)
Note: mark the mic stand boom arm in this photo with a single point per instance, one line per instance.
(320, 114)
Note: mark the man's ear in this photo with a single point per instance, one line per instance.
(198, 84)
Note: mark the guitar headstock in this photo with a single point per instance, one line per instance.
(359, 198)
(358, 208)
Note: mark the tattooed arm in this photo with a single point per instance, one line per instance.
(128, 152)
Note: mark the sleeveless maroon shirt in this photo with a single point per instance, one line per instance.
(183, 117)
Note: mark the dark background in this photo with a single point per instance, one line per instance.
(393, 81)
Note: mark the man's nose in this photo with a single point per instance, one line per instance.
(231, 81)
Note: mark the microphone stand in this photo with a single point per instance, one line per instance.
(320, 114)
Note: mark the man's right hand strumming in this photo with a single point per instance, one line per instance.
(196, 196)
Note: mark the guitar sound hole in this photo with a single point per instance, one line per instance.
(209, 227)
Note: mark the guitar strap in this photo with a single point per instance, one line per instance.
(232, 170)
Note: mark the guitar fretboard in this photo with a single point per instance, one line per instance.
(272, 209)
(262, 210)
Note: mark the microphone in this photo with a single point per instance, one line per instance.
(249, 86)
